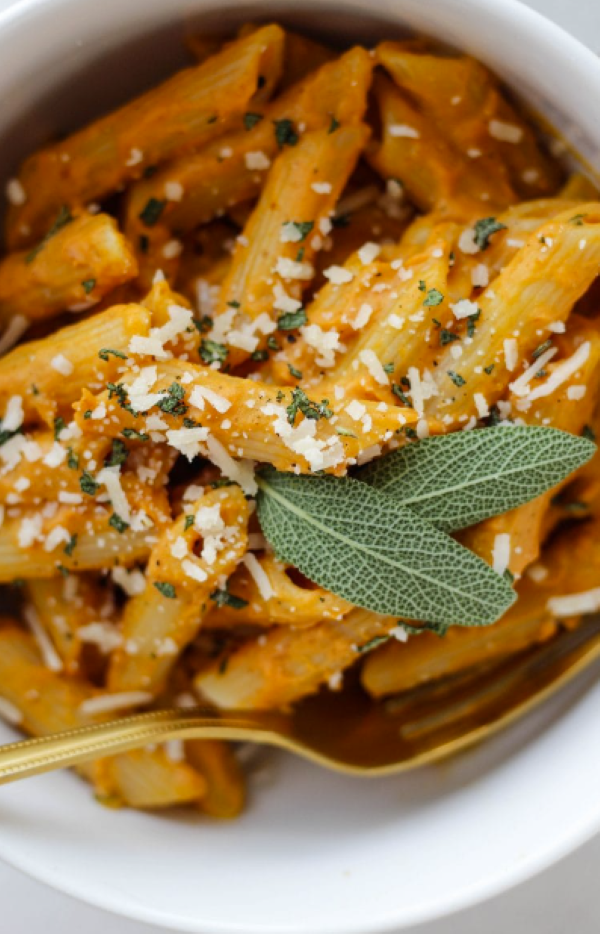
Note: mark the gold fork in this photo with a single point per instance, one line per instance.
(344, 732)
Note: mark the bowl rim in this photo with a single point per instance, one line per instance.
(585, 66)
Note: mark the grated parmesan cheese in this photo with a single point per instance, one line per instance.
(403, 131)
(501, 552)
(480, 276)
(15, 192)
(464, 308)
(257, 161)
(259, 575)
(49, 654)
(373, 364)
(62, 365)
(368, 253)
(511, 353)
(338, 275)
(103, 635)
(561, 373)
(105, 703)
(15, 329)
(131, 582)
(201, 393)
(505, 132)
(14, 415)
(587, 601)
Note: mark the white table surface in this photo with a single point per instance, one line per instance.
(564, 899)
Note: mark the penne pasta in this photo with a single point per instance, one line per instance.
(270, 425)
(518, 312)
(285, 665)
(259, 276)
(162, 620)
(184, 113)
(468, 108)
(527, 526)
(74, 611)
(49, 375)
(71, 271)
(287, 599)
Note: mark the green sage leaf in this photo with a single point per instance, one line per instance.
(456, 480)
(363, 546)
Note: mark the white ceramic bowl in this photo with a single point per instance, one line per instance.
(315, 853)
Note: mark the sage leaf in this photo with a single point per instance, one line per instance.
(365, 547)
(459, 479)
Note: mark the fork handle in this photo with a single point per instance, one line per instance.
(74, 747)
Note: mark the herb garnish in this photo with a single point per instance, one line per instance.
(134, 433)
(118, 454)
(301, 403)
(434, 297)
(462, 478)
(302, 228)
(285, 134)
(446, 337)
(213, 352)
(251, 119)
(290, 320)
(484, 229)
(88, 484)
(166, 589)
(376, 542)
(88, 285)
(59, 425)
(456, 378)
(70, 546)
(294, 372)
(117, 523)
(223, 597)
(172, 404)
(63, 218)
(104, 353)
(152, 211)
(416, 496)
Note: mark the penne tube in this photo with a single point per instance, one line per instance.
(225, 795)
(65, 605)
(45, 702)
(286, 664)
(73, 270)
(570, 407)
(302, 55)
(468, 108)
(250, 420)
(405, 329)
(197, 188)
(265, 263)
(186, 112)
(50, 374)
(403, 666)
(534, 293)
(437, 176)
(98, 546)
(289, 599)
(161, 621)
